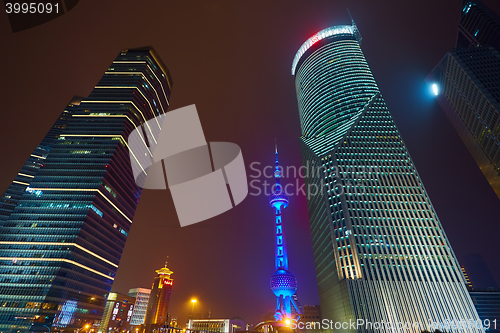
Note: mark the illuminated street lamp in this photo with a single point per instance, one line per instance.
(84, 327)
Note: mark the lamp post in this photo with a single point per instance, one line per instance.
(192, 309)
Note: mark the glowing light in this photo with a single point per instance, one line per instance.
(59, 259)
(194, 301)
(22, 183)
(435, 89)
(287, 321)
(57, 243)
(85, 190)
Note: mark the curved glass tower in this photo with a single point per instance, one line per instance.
(382, 257)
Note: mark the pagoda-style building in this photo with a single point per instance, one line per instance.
(157, 313)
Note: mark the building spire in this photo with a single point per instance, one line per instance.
(277, 172)
(357, 34)
(350, 16)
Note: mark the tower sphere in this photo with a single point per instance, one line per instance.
(283, 283)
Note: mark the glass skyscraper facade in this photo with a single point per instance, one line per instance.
(478, 26)
(381, 255)
(468, 81)
(65, 218)
(487, 304)
(141, 305)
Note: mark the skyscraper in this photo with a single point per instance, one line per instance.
(159, 300)
(478, 26)
(65, 218)
(283, 282)
(468, 87)
(141, 305)
(381, 255)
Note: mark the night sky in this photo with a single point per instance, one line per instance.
(233, 60)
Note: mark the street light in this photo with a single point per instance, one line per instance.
(84, 327)
(192, 309)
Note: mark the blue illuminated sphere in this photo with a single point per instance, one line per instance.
(278, 198)
(283, 283)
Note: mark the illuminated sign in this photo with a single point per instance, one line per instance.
(331, 31)
(130, 311)
(168, 282)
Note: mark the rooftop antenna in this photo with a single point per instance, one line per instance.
(356, 31)
(350, 15)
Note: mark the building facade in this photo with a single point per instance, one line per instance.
(65, 218)
(312, 313)
(216, 325)
(117, 313)
(157, 315)
(468, 81)
(487, 303)
(382, 257)
(141, 296)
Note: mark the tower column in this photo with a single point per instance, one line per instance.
(283, 283)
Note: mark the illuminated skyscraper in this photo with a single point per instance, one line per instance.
(468, 87)
(159, 299)
(65, 218)
(141, 305)
(381, 254)
(283, 282)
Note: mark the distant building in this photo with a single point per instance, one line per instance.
(487, 303)
(117, 313)
(141, 305)
(469, 282)
(157, 312)
(217, 325)
(312, 313)
(479, 272)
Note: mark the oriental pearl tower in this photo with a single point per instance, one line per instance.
(283, 283)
